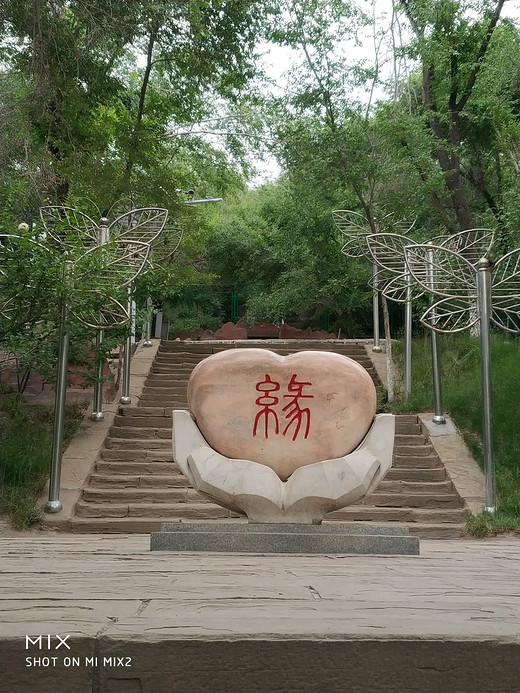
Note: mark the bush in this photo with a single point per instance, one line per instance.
(26, 442)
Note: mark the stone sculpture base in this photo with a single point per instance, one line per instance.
(254, 489)
(284, 538)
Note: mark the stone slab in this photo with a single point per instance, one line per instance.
(262, 538)
(447, 621)
(343, 528)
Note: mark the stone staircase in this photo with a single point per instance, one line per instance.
(135, 485)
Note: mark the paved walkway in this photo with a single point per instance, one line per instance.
(443, 622)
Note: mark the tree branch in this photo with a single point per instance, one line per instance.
(480, 57)
(125, 183)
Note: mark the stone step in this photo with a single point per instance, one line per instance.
(447, 530)
(174, 362)
(172, 367)
(406, 428)
(180, 405)
(160, 391)
(161, 388)
(405, 440)
(193, 510)
(130, 411)
(177, 479)
(274, 345)
(177, 371)
(160, 448)
(126, 455)
(182, 374)
(177, 494)
(406, 486)
(416, 462)
(153, 494)
(167, 402)
(419, 450)
(351, 352)
(165, 380)
(172, 376)
(147, 525)
(416, 475)
(139, 432)
(143, 421)
(406, 434)
(413, 500)
(208, 510)
(152, 457)
(134, 467)
(184, 356)
(148, 461)
(190, 349)
(128, 443)
(363, 513)
(109, 480)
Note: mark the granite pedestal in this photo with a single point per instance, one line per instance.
(284, 538)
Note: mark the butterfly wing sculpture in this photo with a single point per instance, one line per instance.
(452, 276)
(354, 227)
(109, 257)
(394, 277)
(505, 302)
(164, 248)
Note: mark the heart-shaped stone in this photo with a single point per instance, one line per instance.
(281, 411)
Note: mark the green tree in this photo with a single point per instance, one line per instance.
(466, 99)
(276, 246)
(96, 122)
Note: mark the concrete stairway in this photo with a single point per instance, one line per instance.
(136, 486)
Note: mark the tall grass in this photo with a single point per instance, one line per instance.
(462, 399)
(26, 445)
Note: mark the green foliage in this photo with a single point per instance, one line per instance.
(26, 458)
(37, 281)
(194, 307)
(83, 116)
(462, 399)
(490, 524)
(277, 246)
(467, 106)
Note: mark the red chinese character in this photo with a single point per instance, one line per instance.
(294, 412)
(266, 401)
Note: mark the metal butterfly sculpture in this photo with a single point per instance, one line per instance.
(455, 281)
(165, 247)
(394, 278)
(108, 256)
(356, 228)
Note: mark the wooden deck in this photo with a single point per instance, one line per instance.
(447, 621)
